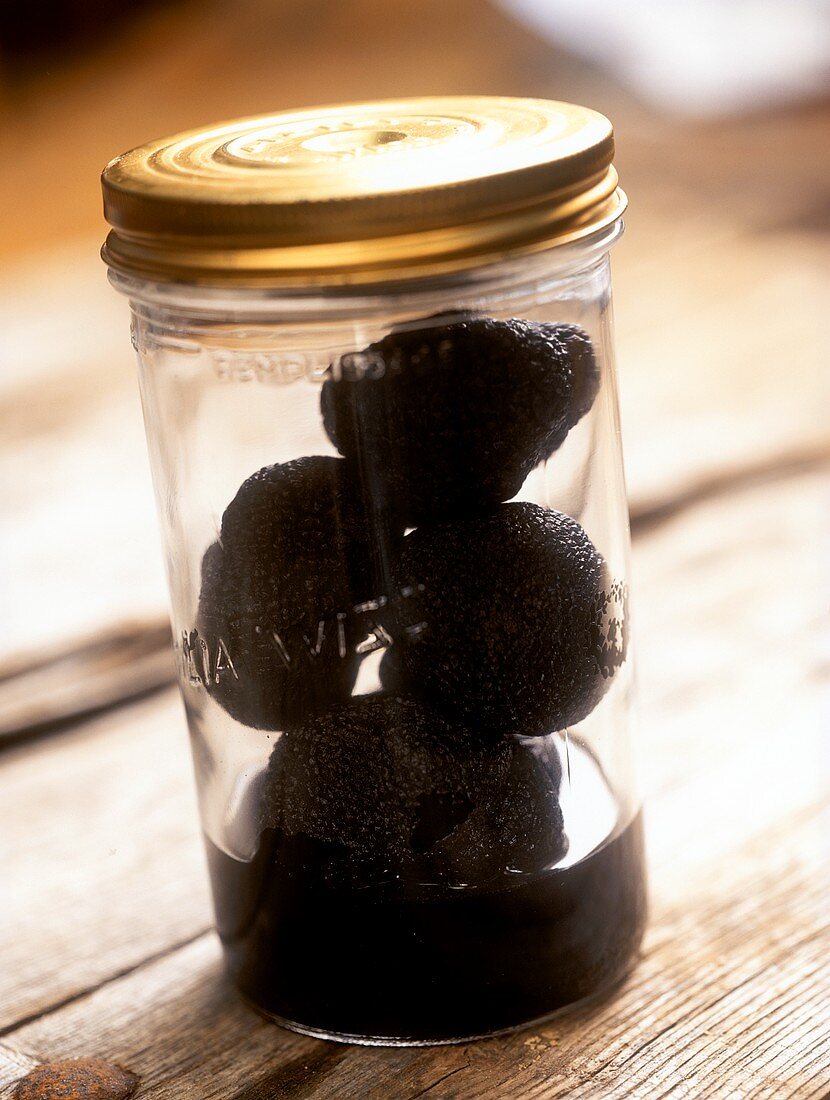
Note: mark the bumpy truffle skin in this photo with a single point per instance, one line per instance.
(275, 635)
(77, 1079)
(453, 417)
(395, 794)
(513, 604)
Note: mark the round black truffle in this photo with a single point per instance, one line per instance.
(511, 610)
(453, 417)
(277, 625)
(390, 792)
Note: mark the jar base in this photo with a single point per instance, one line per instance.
(598, 997)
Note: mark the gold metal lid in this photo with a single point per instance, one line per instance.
(361, 192)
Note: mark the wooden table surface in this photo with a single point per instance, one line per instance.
(105, 923)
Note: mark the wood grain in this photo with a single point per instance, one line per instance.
(13, 1066)
(83, 677)
(100, 853)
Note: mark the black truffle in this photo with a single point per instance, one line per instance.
(512, 609)
(393, 793)
(277, 628)
(77, 1079)
(453, 417)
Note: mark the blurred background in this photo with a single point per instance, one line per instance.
(723, 129)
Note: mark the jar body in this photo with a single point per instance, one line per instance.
(397, 541)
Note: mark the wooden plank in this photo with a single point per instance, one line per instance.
(709, 998)
(722, 364)
(72, 433)
(100, 859)
(731, 996)
(77, 680)
(13, 1066)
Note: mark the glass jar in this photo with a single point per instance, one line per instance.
(376, 365)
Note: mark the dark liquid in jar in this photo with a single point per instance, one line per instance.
(425, 964)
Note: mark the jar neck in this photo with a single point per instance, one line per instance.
(522, 278)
